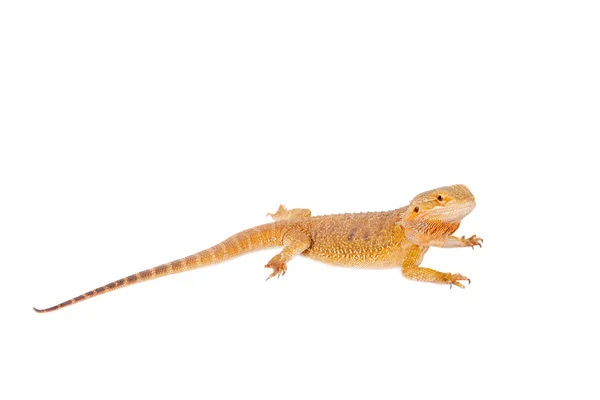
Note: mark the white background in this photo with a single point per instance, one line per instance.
(134, 133)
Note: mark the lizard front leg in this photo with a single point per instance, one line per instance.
(294, 243)
(284, 214)
(431, 275)
(411, 270)
(453, 241)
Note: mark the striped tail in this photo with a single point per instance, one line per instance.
(263, 236)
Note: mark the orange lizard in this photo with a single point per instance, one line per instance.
(389, 239)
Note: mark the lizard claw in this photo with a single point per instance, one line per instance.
(279, 269)
(472, 241)
(453, 279)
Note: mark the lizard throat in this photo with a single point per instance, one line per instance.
(423, 231)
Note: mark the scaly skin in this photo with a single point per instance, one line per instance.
(390, 239)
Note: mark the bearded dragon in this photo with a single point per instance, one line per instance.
(389, 239)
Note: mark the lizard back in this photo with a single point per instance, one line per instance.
(372, 238)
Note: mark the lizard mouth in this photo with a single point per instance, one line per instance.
(452, 213)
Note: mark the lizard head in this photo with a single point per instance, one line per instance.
(438, 212)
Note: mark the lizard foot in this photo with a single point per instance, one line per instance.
(279, 214)
(285, 214)
(453, 279)
(279, 269)
(472, 241)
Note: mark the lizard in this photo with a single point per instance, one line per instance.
(389, 239)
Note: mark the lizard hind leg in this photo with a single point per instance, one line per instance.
(283, 213)
(294, 243)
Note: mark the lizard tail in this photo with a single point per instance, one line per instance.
(263, 236)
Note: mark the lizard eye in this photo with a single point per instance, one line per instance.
(440, 197)
(416, 209)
